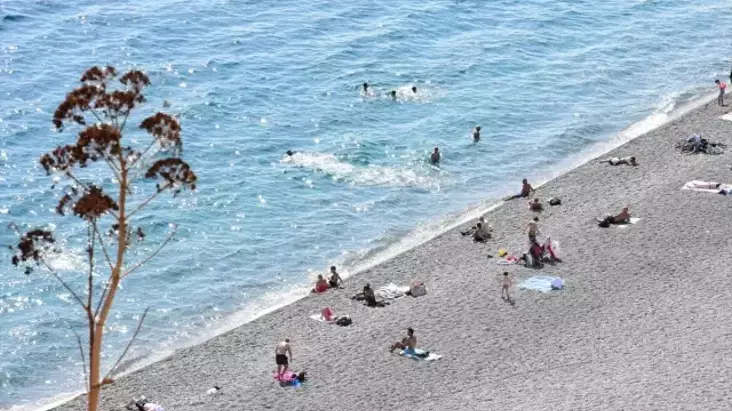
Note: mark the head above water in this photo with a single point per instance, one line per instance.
(290, 153)
(393, 93)
(477, 128)
(365, 86)
(410, 332)
(414, 89)
(437, 150)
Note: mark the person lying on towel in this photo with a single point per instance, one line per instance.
(616, 161)
(622, 218)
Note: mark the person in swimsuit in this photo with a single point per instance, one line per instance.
(335, 280)
(476, 134)
(506, 284)
(393, 95)
(623, 217)
(722, 87)
(435, 157)
(535, 205)
(407, 344)
(281, 352)
(616, 161)
(321, 285)
(533, 229)
(526, 190)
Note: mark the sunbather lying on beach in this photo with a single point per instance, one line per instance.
(616, 161)
(335, 280)
(143, 405)
(536, 205)
(408, 345)
(622, 218)
(321, 285)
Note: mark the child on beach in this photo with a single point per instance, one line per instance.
(281, 351)
(506, 284)
(722, 87)
(335, 280)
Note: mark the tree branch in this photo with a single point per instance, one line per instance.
(73, 293)
(83, 360)
(144, 203)
(77, 181)
(167, 240)
(91, 239)
(104, 247)
(142, 156)
(134, 336)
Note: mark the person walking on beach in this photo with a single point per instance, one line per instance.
(533, 229)
(506, 284)
(281, 351)
(722, 87)
(435, 157)
(476, 134)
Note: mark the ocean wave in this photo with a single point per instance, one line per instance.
(369, 175)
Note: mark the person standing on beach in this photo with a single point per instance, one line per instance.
(281, 351)
(435, 157)
(506, 284)
(722, 87)
(476, 134)
(533, 229)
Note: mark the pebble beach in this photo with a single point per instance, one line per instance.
(639, 325)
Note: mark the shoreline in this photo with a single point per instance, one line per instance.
(567, 166)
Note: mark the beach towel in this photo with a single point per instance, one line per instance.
(288, 378)
(391, 291)
(319, 317)
(542, 283)
(708, 187)
(507, 261)
(418, 356)
(726, 117)
(633, 220)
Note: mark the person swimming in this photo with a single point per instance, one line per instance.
(435, 157)
(414, 89)
(393, 94)
(365, 88)
(290, 153)
(476, 134)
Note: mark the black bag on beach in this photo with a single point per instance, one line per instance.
(344, 321)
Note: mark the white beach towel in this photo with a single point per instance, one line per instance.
(430, 357)
(633, 220)
(543, 283)
(318, 317)
(391, 291)
(726, 117)
(707, 187)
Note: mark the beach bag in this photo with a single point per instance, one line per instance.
(418, 289)
(344, 321)
(554, 201)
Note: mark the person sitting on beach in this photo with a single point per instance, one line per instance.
(408, 345)
(321, 285)
(616, 161)
(535, 205)
(435, 157)
(335, 280)
(622, 218)
(526, 190)
(281, 351)
(370, 297)
(476, 134)
(481, 234)
(471, 230)
(143, 405)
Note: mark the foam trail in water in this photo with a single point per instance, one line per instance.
(370, 175)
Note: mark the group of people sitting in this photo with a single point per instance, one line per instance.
(481, 232)
(322, 285)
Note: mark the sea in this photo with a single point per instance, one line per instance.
(550, 82)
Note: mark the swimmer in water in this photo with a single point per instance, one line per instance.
(365, 88)
(291, 153)
(414, 89)
(435, 157)
(476, 134)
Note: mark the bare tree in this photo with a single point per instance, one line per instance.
(101, 107)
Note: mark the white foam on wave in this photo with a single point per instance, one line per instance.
(371, 175)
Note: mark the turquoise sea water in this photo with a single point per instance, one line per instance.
(252, 79)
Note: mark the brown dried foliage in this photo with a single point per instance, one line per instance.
(166, 131)
(32, 246)
(175, 172)
(89, 205)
